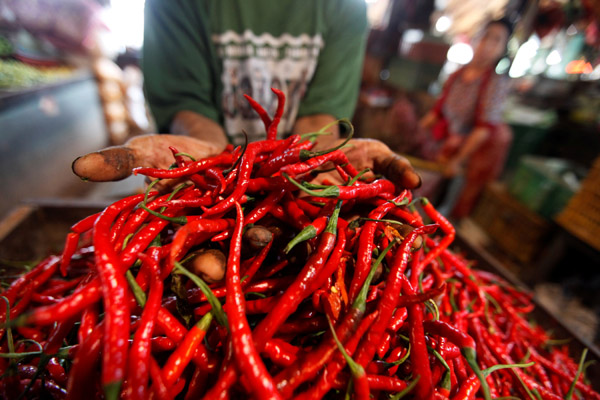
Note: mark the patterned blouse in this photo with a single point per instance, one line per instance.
(460, 105)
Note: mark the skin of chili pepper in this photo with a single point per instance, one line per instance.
(292, 155)
(31, 333)
(259, 110)
(195, 295)
(333, 262)
(246, 354)
(59, 286)
(40, 299)
(256, 264)
(159, 388)
(189, 169)
(294, 211)
(418, 353)
(117, 227)
(309, 209)
(304, 326)
(376, 382)
(140, 353)
(57, 335)
(579, 385)
(387, 304)
(272, 130)
(537, 369)
(17, 286)
(161, 343)
(265, 205)
(137, 217)
(196, 226)
(297, 291)
(281, 353)
(56, 371)
(85, 361)
(292, 141)
(334, 366)
(338, 157)
(180, 358)
(197, 385)
(69, 249)
(85, 224)
(366, 245)
(116, 308)
(245, 170)
(468, 389)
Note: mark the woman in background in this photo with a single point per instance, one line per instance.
(467, 120)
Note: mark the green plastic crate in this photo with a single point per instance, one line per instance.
(544, 185)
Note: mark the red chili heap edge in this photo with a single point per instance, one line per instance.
(344, 289)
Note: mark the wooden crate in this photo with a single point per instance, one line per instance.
(512, 227)
(581, 216)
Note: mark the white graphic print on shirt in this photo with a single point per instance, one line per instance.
(252, 64)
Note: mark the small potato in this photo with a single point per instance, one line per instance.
(405, 229)
(258, 236)
(210, 265)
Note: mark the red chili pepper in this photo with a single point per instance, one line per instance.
(85, 363)
(246, 354)
(259, 259)
(298, 290)
(259, 110)
(272, 130)
(446, 227)
(195, 226)
(366, 245)
(159, 388)
(189, 169)
(387, 304)
(337, 157)
(116, 308)
(326, 380)
(139, 358)
(376, 382)
(245, 170)
(70, 246)
(180, 358)
(468, 389)
(281, 352)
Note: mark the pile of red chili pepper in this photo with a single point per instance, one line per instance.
(326, 291)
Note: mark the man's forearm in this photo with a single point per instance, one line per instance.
(312, 123)
(192, 124)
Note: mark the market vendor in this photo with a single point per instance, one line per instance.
(466, 122)
(199, 59)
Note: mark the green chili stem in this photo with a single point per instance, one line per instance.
(579, 370)
(138, 293)
(361, 299)
(212, 299)
(497, 367)
(185, 155)
(9, 336)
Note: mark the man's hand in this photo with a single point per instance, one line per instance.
(116, 163)
(377, 156)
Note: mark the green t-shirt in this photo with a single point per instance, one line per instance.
(203, 55)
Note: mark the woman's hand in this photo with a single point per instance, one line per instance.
(452, 168)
